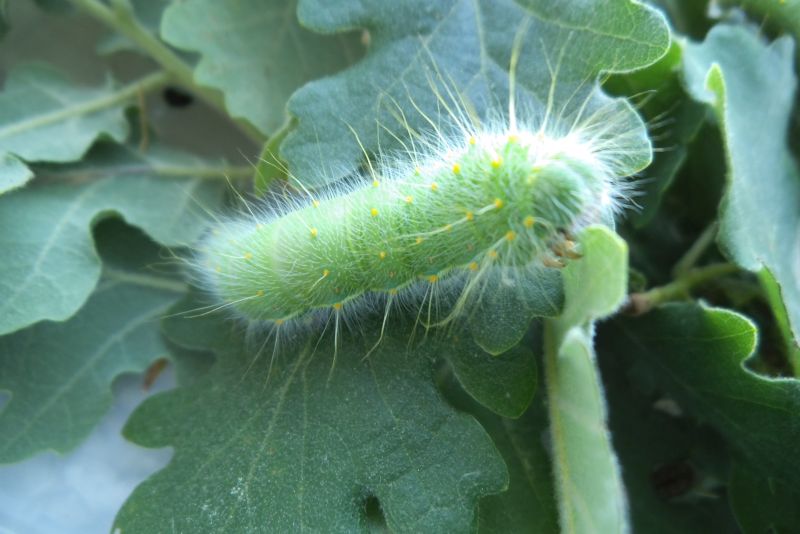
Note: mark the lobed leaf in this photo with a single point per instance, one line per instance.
(697, 355)
(503, 383)
(49, 262)
(60, 374)
(254, 51)
(46, 118)
(751, 88)
(528, 505)
(674, 469)
(427, 59)
(303, 441)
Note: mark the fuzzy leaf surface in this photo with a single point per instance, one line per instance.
(426, 56)
(591, 495)
(60, 374)
(510, 301)
(529, 503)
(49, 262)
(731, 71)
(45, 117)
(306, 448)
(255, 52)
(696, 354)
(504, 383)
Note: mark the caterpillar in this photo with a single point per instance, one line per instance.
(429, 220)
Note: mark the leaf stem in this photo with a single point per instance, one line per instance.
(679, 289)
(129, 92)
(697, 249)
(144, 280)
(120, 17)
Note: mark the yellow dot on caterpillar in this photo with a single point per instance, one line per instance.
(496, 162)
(248, 256)
(470, 216)
(315, 203)
(278, 322)
(375, 183)
(434, 186)
(218, 269)
(529, 221)
(473, 266)
(493, 254)
(325, 273)
(382, 255)
(448, 227)
(511, 235)
(260, 293)
(471, 140)
(433, 279)
(417, 171)
(456, 168)
(337, 306)
(409, 199)
(498, 203)
(419, 240)
(393, 292)
(314, 232)
(513, 138)
(374, 212)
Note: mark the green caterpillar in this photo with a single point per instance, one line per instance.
(510, 198)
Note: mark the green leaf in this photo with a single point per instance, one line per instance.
(763, 504)
(751, 88)
(49, 263)
(674, 121)
(591, 495)
(421, 50)
(44, 117)
(772, 292)
(296, 443)
(674, 470)
(506, 383)
(254, 51)
(696, 354)
(509, 302)
(60, 374)
(528, 505)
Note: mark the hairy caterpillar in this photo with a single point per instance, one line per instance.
(435, 218)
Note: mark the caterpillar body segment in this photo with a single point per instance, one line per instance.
(485, 199)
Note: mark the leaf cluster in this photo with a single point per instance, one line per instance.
(651, 386)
